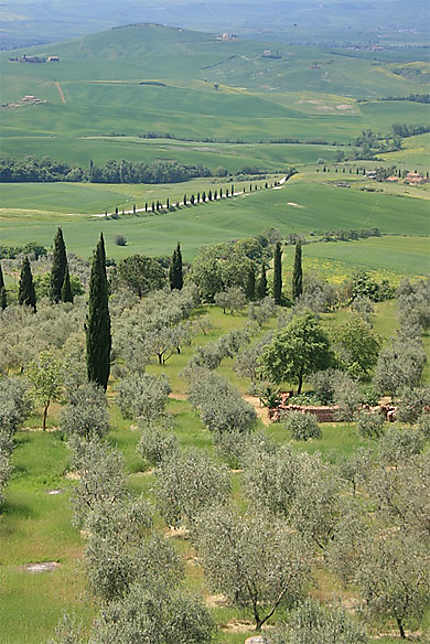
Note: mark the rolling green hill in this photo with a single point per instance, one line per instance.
(148, 78)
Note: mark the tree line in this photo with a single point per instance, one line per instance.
(46, 170)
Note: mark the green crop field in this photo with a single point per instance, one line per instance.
(305, 204)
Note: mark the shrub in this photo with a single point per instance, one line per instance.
(120, 240)
(302, 426)
(370, 424)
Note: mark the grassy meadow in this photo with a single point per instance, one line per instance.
(36, 526)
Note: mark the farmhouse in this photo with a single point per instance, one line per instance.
(53, 59)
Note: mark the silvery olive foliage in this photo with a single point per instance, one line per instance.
(15, 404)
(299, 487)
(370, 424)
(5, 472)
(254, 560)
(143, 396)
(86, 413)
(219, 404)
(400, 364)
(101, 476)
(187, 483)
(260, 312)
(398, 445)
(413, 403)
(123, 550)
(157, 443)
(302, 427)
(156, 615)
(311, 622)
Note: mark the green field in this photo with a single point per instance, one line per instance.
(207, 89)
(305, 204)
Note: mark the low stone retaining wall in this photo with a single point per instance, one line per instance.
(323, 414)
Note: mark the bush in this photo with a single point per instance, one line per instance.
(120, 240)
(370, 424)
(157, 443)
(302, 426)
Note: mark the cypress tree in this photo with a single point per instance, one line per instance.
(66, 291)
(297, 273)
(262, 284)
(26, 293)
(3, 298)
(175, 272)
(277, 274)
(59, 264)
(98, 328)
(250, 284)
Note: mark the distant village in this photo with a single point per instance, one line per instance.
(35, 59)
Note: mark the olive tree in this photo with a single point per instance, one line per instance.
(15, 404)
(233, 299)
(157, 443)
(156, 615)
(300, 488)
(394, 577)
(220, 405)
(413, 403)
(301, 426)
(255, 561)
(5, 472)
(187, 483)
(370, 424)
(122, 549)
(400, 364)
(348, 397)
(397, 445)
(86, 414)
(311, 622)
(402, 494)
(143, 396)
(101, 476)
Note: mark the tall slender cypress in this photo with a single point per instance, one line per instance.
(66, 291)
(26, 293)
(172, 271)
(59, 264)
(297, 289)
(176, 277)
(3, 298)
(262, 284)
(277, 274)
(98, 328)
(250, 284)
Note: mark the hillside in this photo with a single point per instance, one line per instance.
(149, 78)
